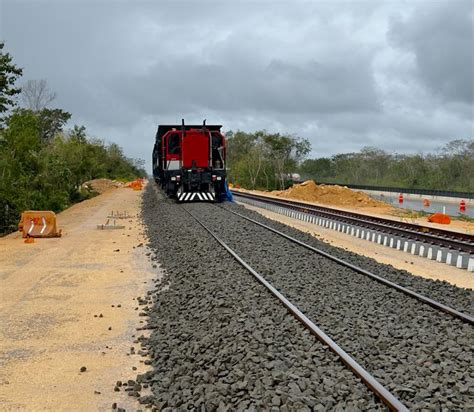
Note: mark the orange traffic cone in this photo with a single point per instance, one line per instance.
(400, 198)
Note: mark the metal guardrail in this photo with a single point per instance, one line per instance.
(447, 193)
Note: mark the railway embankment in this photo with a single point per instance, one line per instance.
(221, 340)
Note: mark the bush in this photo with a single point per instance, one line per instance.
(47, 173)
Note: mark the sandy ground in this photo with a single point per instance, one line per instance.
(389, 212)
(51, 292)
(416, 265)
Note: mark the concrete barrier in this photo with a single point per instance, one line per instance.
(470, 264)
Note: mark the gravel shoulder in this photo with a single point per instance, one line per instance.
(52, 295)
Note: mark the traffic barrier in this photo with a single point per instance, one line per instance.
(38, 223)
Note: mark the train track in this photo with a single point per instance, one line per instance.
(439, 237)
(372, 383)
(431, 302)
(357, 343)
(377, 388)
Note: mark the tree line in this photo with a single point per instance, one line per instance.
(263, 160)
(43, 165)
(449, 168)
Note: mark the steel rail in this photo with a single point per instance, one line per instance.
(445, 238)
(437, 305)
(375, 386)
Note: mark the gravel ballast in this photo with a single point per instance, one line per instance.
(422, 355)
(219, 340)
(459, 298)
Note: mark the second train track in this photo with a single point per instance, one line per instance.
(390, 311)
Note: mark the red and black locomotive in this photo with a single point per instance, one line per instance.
(189, 161)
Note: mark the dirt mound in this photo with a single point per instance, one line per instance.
(440, 218)
(101, 185)
(329, 194)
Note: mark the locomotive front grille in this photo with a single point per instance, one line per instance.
(193, 196)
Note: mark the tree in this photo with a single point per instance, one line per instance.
(52, 122)
(322, 168)
(19, 146)
(36, 94)
(9, 73)
(78, 133)
(262, 159)
(285, 152)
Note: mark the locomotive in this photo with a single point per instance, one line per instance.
(189, 161)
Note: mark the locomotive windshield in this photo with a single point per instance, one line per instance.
(173, 143)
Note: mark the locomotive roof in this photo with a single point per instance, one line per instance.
(162, 128)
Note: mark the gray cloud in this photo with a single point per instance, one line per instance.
(442, 38)
(276, 87)
(397, 75)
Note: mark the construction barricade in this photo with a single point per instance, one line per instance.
(38, 223)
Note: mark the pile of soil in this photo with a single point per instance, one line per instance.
(101, 185)
(329, 194)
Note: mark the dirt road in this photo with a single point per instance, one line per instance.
(68, 303)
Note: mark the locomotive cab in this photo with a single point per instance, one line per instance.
(189, 161)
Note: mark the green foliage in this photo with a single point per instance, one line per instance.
(263, 160)
(41, 167)
(9, 73)
(450, 168)
(465, 218)
(51, 122)
(47, 173)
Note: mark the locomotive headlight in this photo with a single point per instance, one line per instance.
(173, 178)
(219, 178)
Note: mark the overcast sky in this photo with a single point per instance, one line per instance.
(397, 74)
